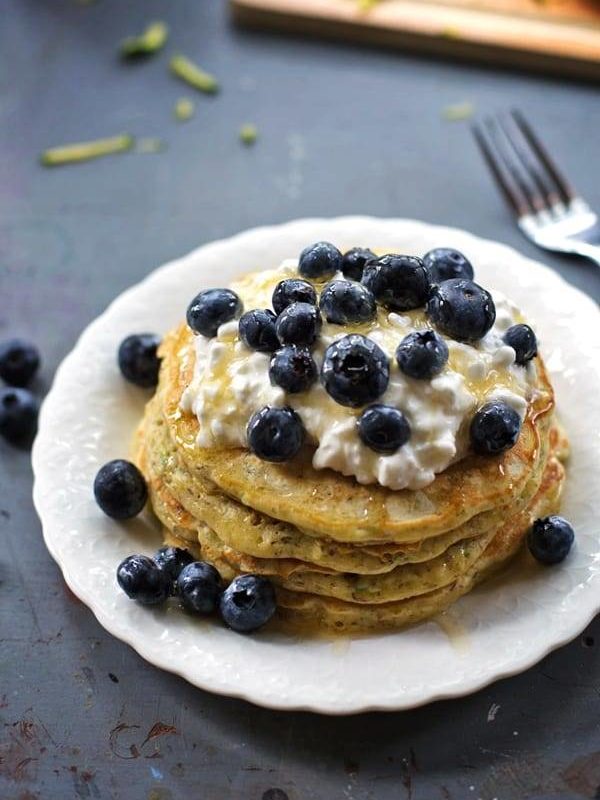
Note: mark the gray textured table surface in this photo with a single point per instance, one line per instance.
(342, 130)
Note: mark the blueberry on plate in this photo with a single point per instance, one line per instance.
(275, 434)
(212, 308)
(120, 489)
(19, 410)
(293, 290)
(247, 603)
(293, 369)
(199, 587)
(495, 427)
(422, 354)
(257, 330)
(320, 261)
(522, 340)
(383, 428)
(354, 261)
(172, 560)
(550, 539)
(143, 580)
(299, 324)
(347, 301)
(19, 361)
(355, 370)
(444, 263)
(399, 283)
(461, 309)
(138, 361)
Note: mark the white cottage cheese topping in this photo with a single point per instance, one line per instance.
(231, 382)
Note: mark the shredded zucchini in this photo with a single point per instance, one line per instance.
(83, 151)
(248, 133)
(150, 41)
(184, 109)
(458, 111)
(191, 73)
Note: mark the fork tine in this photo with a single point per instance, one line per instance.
(508, 186)
(514, 166)
(564, 187)
(528, 159)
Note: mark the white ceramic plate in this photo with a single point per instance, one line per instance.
(498, 630)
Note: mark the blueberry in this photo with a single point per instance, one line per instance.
(247, 603)
(120, 489)
(199, 587)
(142, 580)
(550, 539)
(320, 261)
(19, 361)
(293, 368)
(397, 282)
(212, 308)
(383, 428)
(138, 360)
(355, 370)
(461, 309)
(422, 354)
(18, 414)
(299, 323)
(172, 560)
(494, 428)
(353, 262)
(275, 434)
(293, 290)
(444, 263)
(257, 330)
(522, 340)
(347, 301)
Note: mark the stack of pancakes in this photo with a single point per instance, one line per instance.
(343, 556)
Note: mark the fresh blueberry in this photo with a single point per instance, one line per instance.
(293, 368)
(172, 560)
(550, 539)
(353, 262)
(347, 301)
(138, 360)
(275, 434)
(18, 414)
(299, 324)
(494, 428)
(422, 354)
(399, 283)
(355, 370)
(19, 361)
(212, 308)
(293, 290)
(143, 580)
(461, 309)
(120, 489)
(320, 261)
(522, 340)
(199, 587)
(247, 603)
(383, 428)
(444, 263)
(257, 330)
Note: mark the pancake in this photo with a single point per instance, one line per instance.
(328, 504)
(250, 534)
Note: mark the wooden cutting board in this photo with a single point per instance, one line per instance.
(559, 36)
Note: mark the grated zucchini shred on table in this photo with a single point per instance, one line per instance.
(191, 73)
(184, 109)
(458, 111)
(84, 151)
(150, 41)
(248, 133)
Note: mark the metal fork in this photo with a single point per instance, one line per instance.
(548, 210)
